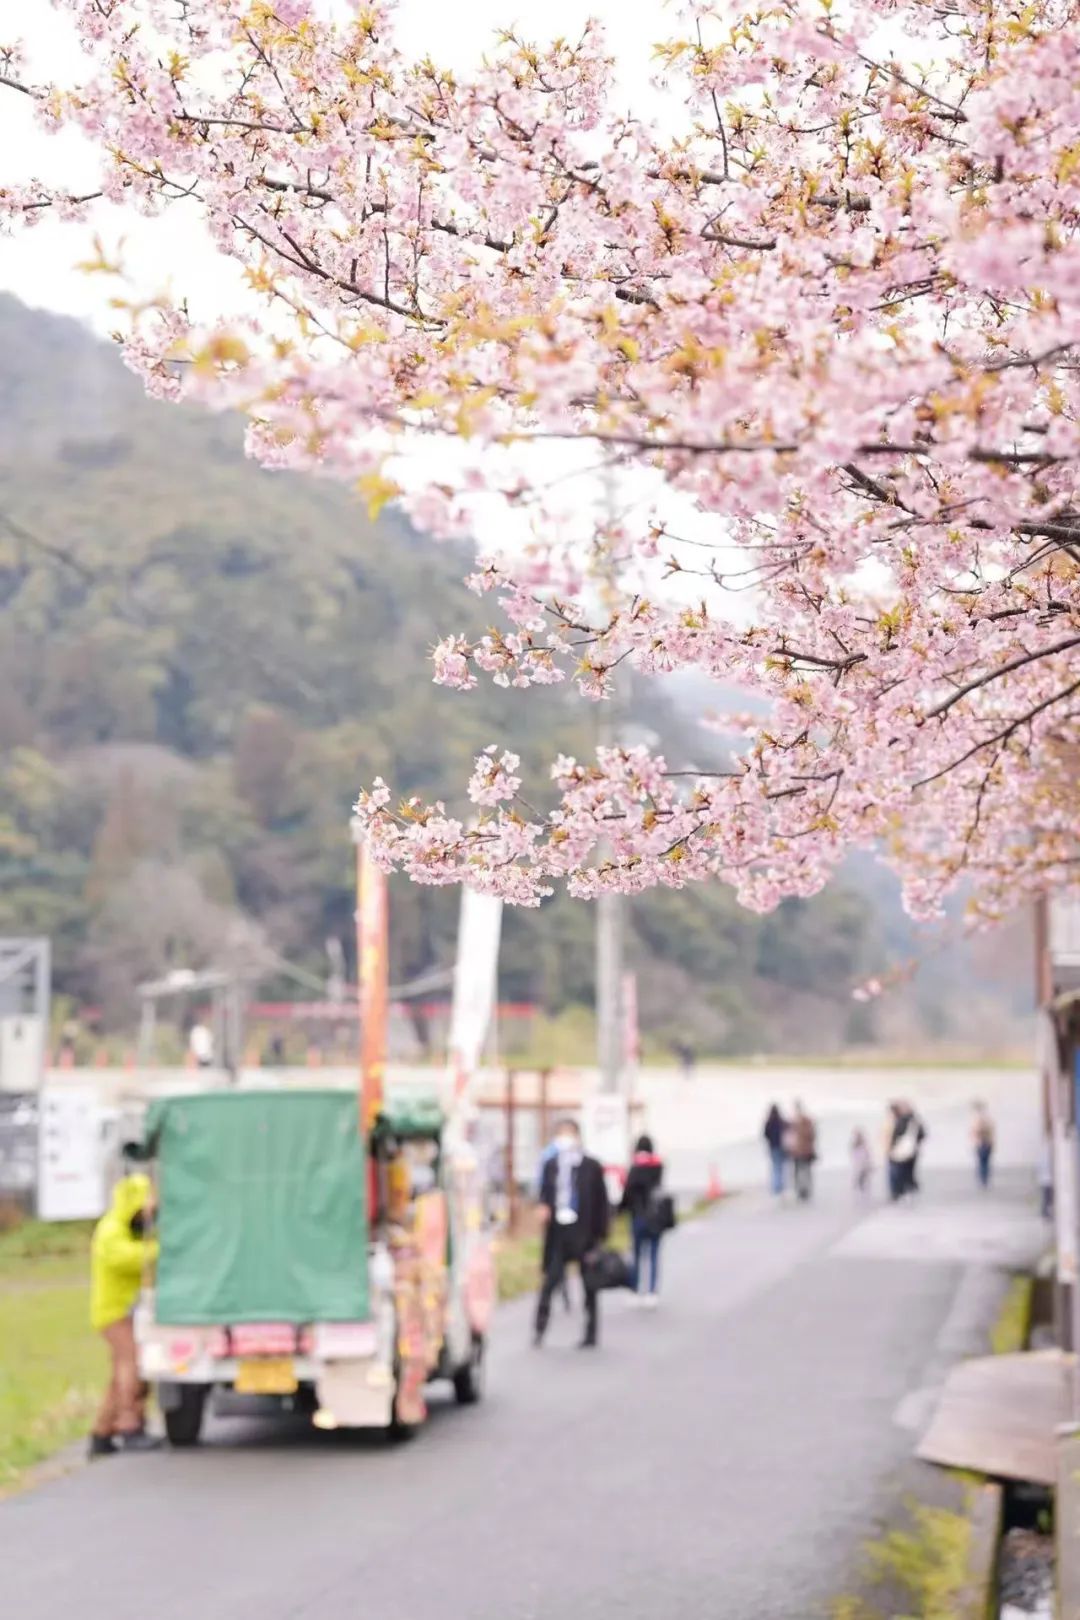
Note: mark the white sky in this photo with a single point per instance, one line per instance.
(38, 265)
(172, 253)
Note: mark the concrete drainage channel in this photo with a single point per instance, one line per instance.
(1026, 1563)
(1025, 1583)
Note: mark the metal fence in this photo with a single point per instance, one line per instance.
(19, 1117)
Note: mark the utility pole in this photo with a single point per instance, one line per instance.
(609, 907)
(609, 961)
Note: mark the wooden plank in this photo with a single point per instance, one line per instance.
(999, 1416)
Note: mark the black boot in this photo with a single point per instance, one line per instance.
(100, 1445)
(543, 1313)
(139, 1440)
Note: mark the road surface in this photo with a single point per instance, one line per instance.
(728, 1455)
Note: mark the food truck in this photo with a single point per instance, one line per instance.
(310, 1264)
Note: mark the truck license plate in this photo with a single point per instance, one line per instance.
(266, 1375)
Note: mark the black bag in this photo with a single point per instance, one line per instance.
(609, 1269)
(660, 1214)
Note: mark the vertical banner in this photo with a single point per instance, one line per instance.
(372, 941)
(1065, 1203)
(476, 974)
(605, 1130)
(631, 1037)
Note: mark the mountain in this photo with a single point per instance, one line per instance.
(203, 661)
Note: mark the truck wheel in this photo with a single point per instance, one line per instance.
(469, 1379)
(184, 1414)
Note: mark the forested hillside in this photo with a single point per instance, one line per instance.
(200, 664)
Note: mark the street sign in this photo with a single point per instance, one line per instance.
(1065, 931)
(605, 1130)
(71, 1155)
(22, 1052)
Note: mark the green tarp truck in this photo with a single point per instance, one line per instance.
(301, 1263)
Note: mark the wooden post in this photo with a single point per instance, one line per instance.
(511, 1181)
(1044, 995)
(545, 1077)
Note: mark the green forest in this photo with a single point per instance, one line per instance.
(202, 662)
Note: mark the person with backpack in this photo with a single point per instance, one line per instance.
(907, 1137)
(652, 1213)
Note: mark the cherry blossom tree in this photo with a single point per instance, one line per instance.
(831, 318)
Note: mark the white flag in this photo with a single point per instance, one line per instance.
(476, 974)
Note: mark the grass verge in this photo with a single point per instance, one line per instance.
(52, 1364)
(52, 1368)
(925, 1565)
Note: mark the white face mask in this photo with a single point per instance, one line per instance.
(566, 1142)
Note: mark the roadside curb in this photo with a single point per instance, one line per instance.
(985, 1509)
(70, 1459)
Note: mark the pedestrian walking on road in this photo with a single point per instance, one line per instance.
(803, 1152)
(861, 1163)
(687, 1058)
(121, 1251)
(775, 1132)
(982, 1139)
(1046, 1179)
(906, 1139)
(649, 1209)
(549, 1153)
(574, 1204)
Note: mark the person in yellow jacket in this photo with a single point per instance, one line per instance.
(121, 1252)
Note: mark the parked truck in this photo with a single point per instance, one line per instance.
(301, 1262)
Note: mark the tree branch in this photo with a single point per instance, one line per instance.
(995, 674)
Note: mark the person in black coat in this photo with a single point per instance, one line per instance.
(643, 1182)
(907, 1137)
(775, 1132)
(574, 1203)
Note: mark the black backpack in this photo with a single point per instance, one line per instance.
(660, 1214)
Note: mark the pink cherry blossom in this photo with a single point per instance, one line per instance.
(834, 316)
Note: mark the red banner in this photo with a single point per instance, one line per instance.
(372, 939)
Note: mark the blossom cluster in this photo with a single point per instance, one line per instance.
(836, 314)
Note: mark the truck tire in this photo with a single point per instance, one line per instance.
(469, 1379)
(184, 1414)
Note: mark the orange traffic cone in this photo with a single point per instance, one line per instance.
(714, 1190)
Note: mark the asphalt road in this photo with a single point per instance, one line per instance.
(728, 1455)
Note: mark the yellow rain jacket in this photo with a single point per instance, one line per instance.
(118, 1257)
